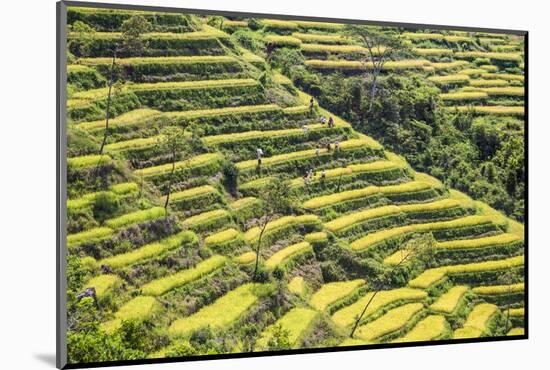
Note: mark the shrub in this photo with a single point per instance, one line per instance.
(230, 176)
(83, 77)
(246, 208)
(120, 191)
(105, 204)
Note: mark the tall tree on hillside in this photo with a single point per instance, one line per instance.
(508, 278)
(275, 199)
(130, 41)
(176, 144)
(382, 44)
(420, 247)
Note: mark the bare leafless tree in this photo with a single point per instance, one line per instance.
(420, 247)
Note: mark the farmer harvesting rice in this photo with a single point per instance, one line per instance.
(260, 152)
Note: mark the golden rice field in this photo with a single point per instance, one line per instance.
(199, 274)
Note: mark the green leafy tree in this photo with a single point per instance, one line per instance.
(275, 199)
(420, 247)
(181, 349)
(486, 137)
(131, 40)
(382, 44)
(87, 342)
(85, 36)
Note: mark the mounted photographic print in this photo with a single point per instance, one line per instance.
(235, 184)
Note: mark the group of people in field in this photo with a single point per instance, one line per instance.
(310, 175)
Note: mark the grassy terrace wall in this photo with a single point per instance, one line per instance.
(186, 272)
(158, 44)
(148, 69)
(166, 96)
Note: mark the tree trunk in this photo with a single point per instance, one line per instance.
(363, 313)
(258, 249)
(373, 89)
(111, 81)
(507, 311)
(170, 184)
(378, 289)
(339, 183)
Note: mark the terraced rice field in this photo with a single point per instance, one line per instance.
(186, 272)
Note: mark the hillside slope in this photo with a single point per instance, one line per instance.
(185, 275)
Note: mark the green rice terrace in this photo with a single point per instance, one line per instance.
(217, 205)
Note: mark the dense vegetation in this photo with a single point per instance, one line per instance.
(233, 185)
(480, 155)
